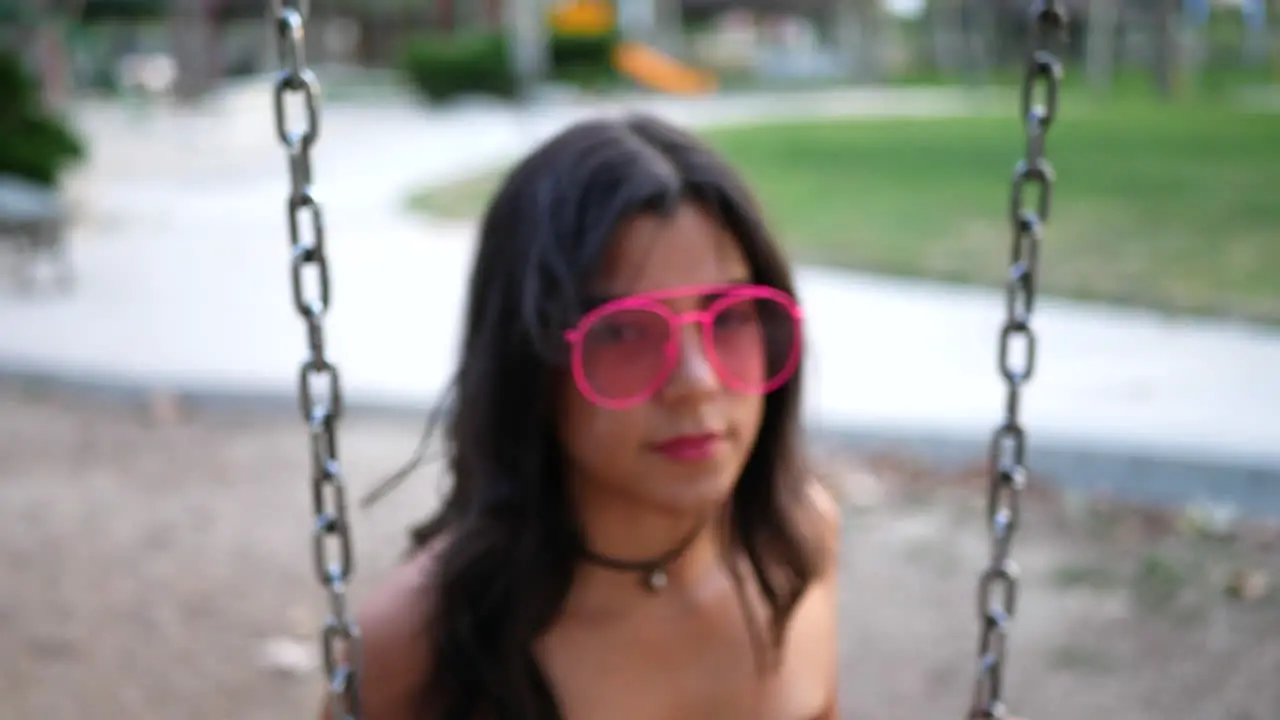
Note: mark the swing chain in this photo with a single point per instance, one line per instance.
(998, 584)
(319, 388)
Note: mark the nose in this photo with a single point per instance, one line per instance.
(694, 373)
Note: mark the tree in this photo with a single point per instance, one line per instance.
(945, 28)
(191, 27)
(34, 144)
(669, 17)
(1163, 17)
(530, 42)
(1100, 43)
(858, 31)
(46, 48)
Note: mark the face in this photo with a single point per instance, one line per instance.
(669, 372)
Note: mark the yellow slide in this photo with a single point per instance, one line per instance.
(656, 70)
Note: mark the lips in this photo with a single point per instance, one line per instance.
(688, 448)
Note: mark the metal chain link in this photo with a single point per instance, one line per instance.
(998, 584)
(319, 389)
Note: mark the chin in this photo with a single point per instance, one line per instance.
(692, 490)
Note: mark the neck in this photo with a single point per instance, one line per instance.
(625, 543)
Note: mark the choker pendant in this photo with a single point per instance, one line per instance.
(655, 580)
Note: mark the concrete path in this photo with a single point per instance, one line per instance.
(184, 287)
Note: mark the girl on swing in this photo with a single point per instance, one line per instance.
(632, 533)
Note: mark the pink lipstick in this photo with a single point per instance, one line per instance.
(688, 448)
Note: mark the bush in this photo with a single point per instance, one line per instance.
(583, 59)
(33, 144)
(117, 10)
(446, 67)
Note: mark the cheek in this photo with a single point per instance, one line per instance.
(597, 440)
(748, 414)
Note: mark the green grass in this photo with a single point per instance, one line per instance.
(462, 200)
(1169, 207)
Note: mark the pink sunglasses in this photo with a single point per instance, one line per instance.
(625, 350)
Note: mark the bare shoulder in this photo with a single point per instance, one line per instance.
(394, 621)
(812, 645)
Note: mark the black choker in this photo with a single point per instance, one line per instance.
(653, 573)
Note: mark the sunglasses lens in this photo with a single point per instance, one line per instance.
(755, 341)
(624, 354)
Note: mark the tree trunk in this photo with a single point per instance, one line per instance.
(1273, 36)
(192, 33)
(1163, 16)
(1193, 40)
(46, 49)
(669, 17)
(1100, 44)
(850, 36)
(1257, 33)
(946, 32)
(978, 37)
(525, 23)
(872, 27)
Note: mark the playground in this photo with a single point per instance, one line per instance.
(162, 534)
(155, 509)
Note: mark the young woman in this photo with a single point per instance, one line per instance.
(631, 533)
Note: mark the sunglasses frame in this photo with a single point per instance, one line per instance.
(727, 294)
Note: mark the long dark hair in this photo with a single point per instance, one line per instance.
(507, 539)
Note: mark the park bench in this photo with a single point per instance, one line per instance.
(33, 224)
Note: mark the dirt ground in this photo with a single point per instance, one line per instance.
(158, 567)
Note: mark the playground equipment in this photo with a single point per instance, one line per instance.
(651, 68)
(583, 17)
(321, 400)
(644, 64)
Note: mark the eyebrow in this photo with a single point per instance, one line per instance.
(595, 300)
